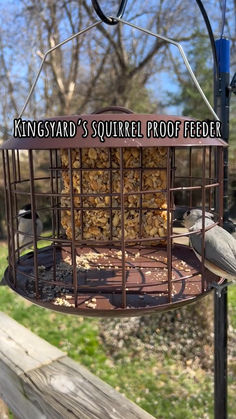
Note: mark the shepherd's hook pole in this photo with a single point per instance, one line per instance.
(221, 104)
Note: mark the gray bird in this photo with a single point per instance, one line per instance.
(25, 226)
(220, 246)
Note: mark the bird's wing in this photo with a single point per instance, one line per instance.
(230, 240)
(226, 236)
(219, 248)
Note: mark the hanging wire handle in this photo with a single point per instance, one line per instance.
(139, 28)
(186, 62)
(107, 19)
(48, 52)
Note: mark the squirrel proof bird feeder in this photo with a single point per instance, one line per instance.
(113, 247)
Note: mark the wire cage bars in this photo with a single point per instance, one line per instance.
(110, 246)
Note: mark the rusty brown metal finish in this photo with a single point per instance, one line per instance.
(80, 142)
(15, 206)
(18, 164)
(57, 195)
(190, 178)
(169, 240)
(141, 187)
(221, 185)
(11, 221)
(203, 216)
(52, 215)
(81, 197)
(172, 183)
(73, 248)
(210, 175)
(110, 189)
(34, 228)
(122, 228)
(117, 241)
(180, 188)
(127, 277)
(6, 193)
(113, 109)
(147, 282)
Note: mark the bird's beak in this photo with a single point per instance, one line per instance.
(179, 216)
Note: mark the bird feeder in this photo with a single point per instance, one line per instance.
(113, 248)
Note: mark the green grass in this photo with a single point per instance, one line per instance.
(166, 389)
(232, 304)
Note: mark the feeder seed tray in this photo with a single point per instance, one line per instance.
(100, 289)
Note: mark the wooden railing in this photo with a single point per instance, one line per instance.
(39, 381)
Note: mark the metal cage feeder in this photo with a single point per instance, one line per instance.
(113, 248)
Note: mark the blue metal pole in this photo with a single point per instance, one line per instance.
(221, 104)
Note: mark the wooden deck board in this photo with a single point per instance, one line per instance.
(39, 381)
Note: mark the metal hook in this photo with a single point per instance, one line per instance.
(219, 288)
(107, 19)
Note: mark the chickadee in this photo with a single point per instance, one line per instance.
(220, 246)
(25, 226)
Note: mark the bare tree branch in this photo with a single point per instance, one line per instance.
(10, 87)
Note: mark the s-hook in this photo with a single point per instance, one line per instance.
(107, 19)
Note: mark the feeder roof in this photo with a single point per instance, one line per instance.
(139, 122)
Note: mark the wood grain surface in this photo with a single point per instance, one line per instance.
(38, 380)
